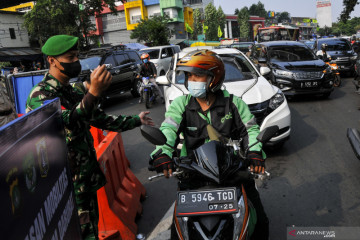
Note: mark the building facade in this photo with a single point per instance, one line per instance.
(116, 29)
(232, 27)
(12, 33)
(307, 26)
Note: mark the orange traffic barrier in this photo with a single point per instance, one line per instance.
(98, 135)
(119, 200)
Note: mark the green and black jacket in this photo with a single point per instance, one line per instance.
(229, 115)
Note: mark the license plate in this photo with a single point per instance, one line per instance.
(212, 201)
(309, 84)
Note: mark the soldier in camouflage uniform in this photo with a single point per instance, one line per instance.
(79, 112)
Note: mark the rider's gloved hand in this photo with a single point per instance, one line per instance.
(163, 163)
(257, 162)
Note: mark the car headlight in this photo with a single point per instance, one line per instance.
(276, 100)
(353, 57)
(282, 73)
(155, 64)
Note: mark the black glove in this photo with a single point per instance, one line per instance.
(256, 160)
(162, 162)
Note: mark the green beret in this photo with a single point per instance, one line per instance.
(59, 44)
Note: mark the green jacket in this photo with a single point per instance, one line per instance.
(229, 115)
(79, 112)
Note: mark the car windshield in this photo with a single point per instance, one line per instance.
(290, 54)
(153, 53)
(242, 46)
(237, 68)
(336, 45)
(90, 63)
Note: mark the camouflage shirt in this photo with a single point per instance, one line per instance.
(79, 112)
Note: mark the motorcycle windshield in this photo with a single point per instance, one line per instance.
(211, 158)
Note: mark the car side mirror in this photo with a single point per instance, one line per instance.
(262, 60)
(264, 71)
(163, 81)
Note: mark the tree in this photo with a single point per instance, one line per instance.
(212, 22)
(243, 19)
(283, 17)
(221, 19)
(257, 10)
(154, 31)
(197, 24)
(236, 12)
(349, 6)
(52, 17)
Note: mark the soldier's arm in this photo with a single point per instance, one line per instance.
(114, 123)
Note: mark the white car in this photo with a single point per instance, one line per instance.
(266, 102)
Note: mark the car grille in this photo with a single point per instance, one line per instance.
(308, 75)
(260, 111)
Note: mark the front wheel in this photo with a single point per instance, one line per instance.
(147, 99)
(337, 81)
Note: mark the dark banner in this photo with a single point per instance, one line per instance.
(37, 197)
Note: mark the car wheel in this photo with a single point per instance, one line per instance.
(135, 91)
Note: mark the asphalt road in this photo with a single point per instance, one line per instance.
(315, 177)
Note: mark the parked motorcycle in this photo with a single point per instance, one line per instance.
(214, 204)
(335, 72)
(149, 93)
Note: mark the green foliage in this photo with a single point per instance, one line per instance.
(346, 28)
(153, 31)
(197, 24)
(243, 20)
(53, 17)
(211, 20)
(221, 19)
(349, 6)
(257, 10)
(5, 64)
(282, 17)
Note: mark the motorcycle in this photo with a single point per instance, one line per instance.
(149, 93)
(215, 204)
(335, 72)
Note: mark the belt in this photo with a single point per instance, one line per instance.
(5, 113)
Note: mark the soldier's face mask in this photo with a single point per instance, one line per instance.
(71, 69)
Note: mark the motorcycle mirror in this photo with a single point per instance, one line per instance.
(153, 135)
(267, 134)
(354, 139)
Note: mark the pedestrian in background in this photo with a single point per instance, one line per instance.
(79, 112)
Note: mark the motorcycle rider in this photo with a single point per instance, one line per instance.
(323, 54)
(206, 105)
(148, 69)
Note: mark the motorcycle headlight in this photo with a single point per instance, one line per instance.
(276, 100)
(327, 69)
(239, 218)
(282, 73)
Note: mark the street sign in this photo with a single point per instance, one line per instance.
(37, 197)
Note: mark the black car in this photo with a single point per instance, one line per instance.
(124, 65)
(341, 51)
(295, 69)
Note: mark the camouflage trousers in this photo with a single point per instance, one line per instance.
(88, 213)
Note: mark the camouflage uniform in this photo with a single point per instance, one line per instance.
(79, 111)
(7, 110)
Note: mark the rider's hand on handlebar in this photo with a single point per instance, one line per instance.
(257, 162)
(164, 163)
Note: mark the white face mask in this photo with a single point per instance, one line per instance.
(197, 89)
